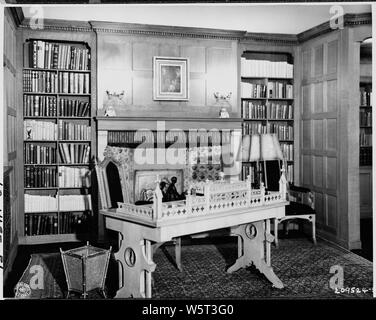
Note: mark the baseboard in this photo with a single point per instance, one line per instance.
(349, 245)
(11, 258)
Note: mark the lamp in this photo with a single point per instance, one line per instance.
(264, 147)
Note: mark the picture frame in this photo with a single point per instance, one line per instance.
(170, 78)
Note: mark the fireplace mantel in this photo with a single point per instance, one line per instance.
(154, 123)
(106, 124)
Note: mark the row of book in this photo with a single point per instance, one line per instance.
(365, 118)
(74, 108)
(40, 130)
(288, 151)
(365, 97)
(290, 173)
(249, 170)
(72, 177)
(40, 81)
(252, 110)
(39, 106)
(75, 202)
(279, 111)
(39, 154)
(49, 55)
(74, 82)
(151, 137)
(40, 203)
(365, 139)
(74, 131)
(266, 68)
(41, 224)
(74, 222)
(76, 153)
(47, 224)
(365, 156)
(273, 90)
(49, 203)
(270, 110)
(284, 132)
(40, 177)
(47, 106)
(52, 82)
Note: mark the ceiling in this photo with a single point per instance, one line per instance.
(273, 18)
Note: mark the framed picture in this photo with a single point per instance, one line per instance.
(170, 78)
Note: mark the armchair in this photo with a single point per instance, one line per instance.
(302, 202)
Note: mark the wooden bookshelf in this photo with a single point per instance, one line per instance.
(267, 102)
(365, 124)
(58, 104)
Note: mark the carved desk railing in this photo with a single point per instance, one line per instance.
(216, 197)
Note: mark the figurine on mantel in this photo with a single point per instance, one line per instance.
(222, 101)
(172, 194)
(115, 101)
(223, 113)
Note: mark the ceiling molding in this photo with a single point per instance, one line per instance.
(349, 20)
(273, 38)
(165, 31)
(59, 25)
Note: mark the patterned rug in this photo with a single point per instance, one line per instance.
(303, 268)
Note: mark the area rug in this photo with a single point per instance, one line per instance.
(305, 270)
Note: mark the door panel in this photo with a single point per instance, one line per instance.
(319, 149)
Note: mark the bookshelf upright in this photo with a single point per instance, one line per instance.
(267, 102)
(365, 124)
(58, 140)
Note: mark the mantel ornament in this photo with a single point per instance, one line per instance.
(222, 101)
(114, 101)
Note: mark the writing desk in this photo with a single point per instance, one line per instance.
(247, 212)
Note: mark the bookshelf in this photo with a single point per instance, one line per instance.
(365, 124)
(58, 140)
(267, 102)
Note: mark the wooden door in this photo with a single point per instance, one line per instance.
(319, 127)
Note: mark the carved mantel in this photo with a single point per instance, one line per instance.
(231, 125)
(151, 123)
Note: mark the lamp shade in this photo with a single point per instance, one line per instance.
(255, 149)
(270, 148)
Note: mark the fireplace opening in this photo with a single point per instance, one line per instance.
(114, 184)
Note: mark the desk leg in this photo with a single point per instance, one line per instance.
(256, 240)
(135, 258)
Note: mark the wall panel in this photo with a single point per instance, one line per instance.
(213, 68)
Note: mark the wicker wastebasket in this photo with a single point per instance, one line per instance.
(85, 269)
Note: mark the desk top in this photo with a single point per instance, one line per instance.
(170, 228)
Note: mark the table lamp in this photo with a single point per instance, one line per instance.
(264, 147)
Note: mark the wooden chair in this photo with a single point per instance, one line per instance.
(109, 200)
(302, 203)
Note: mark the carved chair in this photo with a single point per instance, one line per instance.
(109, 196)
(302, 204)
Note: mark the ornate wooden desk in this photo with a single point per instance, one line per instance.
(247, 212)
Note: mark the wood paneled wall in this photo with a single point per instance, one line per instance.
(329, 121)
(125, 63)
(320, 125)
(11, 130)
